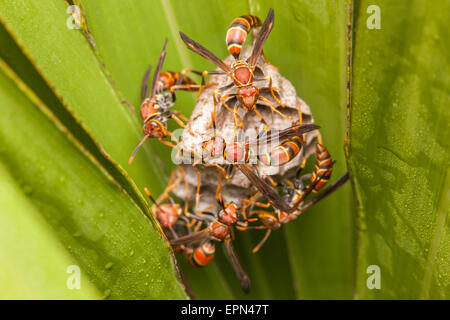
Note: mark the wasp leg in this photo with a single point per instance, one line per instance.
(273, 108)
(167, 143)
(263, 205)
(301, 167)
(249, 203)
(272, 182)
(170, 185)
(192, 87)
(266, 125)
(180, 115)
(272, 91)
(206, 73)
(219, 186)
(215, 165)
(181, 124)
(216, 101)
(237, 116)
(263, 240)
(233, 111)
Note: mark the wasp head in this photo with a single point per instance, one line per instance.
(247, 96)
(154, 128)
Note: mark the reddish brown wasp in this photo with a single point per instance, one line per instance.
(156, 107)
(219, 229)
(238, 155)
(168, 214)
(172, 217)
(295, 195)
(242, 74)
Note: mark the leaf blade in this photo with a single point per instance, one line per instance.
(77, 80)
(82, 203)
(398, 109)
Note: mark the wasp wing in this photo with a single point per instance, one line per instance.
(236, 264)
(162, 56)
(266, 190)
(284, 134)
(194, 237)
(144, 84)
(205, 53)
(261, 39)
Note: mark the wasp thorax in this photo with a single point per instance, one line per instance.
(242, 76)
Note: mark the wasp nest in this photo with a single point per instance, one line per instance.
(238, 186)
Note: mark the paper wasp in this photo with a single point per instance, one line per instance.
(296, 193)
(155, 107)
(198, 246)
(238, 154)
(219, 229)
(168, 214)
(242, 74)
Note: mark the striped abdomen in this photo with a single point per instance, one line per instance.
(167, 79)
(323, 167)
(202, 255)
(237, 32)
(236, 153)
(284, 153)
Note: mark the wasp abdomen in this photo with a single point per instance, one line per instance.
(283, 153)
(168, 79)
(237, 33)
(202, 255)
(323, 167)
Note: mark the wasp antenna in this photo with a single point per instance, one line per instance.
(149, 195)
(136, 149)
(221, 202)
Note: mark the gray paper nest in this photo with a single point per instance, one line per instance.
(238, 186)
